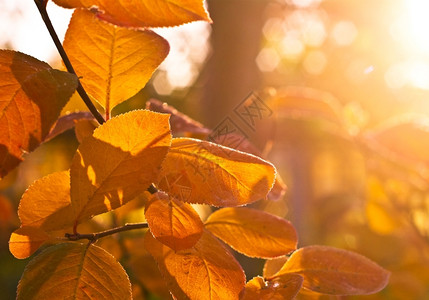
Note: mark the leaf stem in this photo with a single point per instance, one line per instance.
(41, 5)
(96, 235)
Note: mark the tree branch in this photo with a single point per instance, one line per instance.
(41, 5)
(96, 235)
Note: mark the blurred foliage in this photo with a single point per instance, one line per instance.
(351, 183)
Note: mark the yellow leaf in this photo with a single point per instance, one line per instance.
(118, 162)
(335, 271)
(26, 240)
(32, 95)
(206, 271)
(146, 13)
(46, 203)
(252, 232)
(115, 63)
(74, 271)
(174, 223)
(284, 287)
(202, 172)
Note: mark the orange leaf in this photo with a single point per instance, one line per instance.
(335, 271)
(230, 140)
(74, 271)
(202, 172)
(179, 122)
(44, 207)
(115, 63)
(118, 162)
(281, 288)
(252, 232)
(46, 203)
(32, 95)
(67, 122)
(207, 270)
(26, 240)
(147, 13)
(174, 223)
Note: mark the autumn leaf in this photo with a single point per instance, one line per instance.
(202, 172)
(206, 271)
(118, 162)
(73, 270)
(44, 207)
(115, 63)
(46, 203)
(147, 13)
(335, 271)
(237, 142)
(252, 232)
(25, 241)
(67, 122)
(32, 95)
(179, 122)
(172, 222)
(284, 287)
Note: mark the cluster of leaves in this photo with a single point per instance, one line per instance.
(135, 155)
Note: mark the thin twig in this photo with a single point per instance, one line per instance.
(43, 12)
(96, 235)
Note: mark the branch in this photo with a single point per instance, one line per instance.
(41, 5)
(96, 235)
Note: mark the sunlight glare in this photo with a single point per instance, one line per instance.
(418, 12)
(410, 28)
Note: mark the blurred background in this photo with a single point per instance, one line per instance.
(347, 84)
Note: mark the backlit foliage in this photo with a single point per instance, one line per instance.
(135, 164)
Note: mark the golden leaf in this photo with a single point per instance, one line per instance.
(44, 207)
(115, 63)
(202, 172)
(174, 223)
(26, 240)
(335, 271)
(207, 270)
(252, 232)
(146, 13)
(118, 162)
(73, 270)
